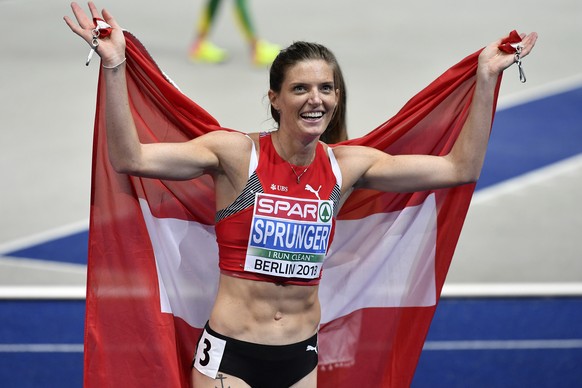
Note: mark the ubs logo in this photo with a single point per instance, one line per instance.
(280, 188)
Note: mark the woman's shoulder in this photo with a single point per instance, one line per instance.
(226, 138)
(354, 160)
(346, 150)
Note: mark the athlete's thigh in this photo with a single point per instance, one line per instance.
(222, 380)
(309, 381)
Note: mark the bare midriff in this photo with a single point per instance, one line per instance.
(265, 313)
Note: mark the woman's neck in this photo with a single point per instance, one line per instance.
(294, 151)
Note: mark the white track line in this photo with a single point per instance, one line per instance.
(503, 345)
(42, 292)
(39, 238)
(543, 91)
(41, 348)
(539, 176)
(530, 344)
(508, 290)
(469, 290)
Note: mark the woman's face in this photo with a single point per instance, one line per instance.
(307, 98)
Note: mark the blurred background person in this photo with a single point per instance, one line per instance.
(202, 50)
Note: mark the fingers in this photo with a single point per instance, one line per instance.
(110, 19)
(528, 43)
(76, 28)
(85, 21)
(84, 24)
(93, 9)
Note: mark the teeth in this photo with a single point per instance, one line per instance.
(312, 115)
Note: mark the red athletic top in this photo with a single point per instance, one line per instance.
(281, 226)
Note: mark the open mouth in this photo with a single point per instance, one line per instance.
(312, 115)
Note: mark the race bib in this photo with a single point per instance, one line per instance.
(209, 354)
(289, 236)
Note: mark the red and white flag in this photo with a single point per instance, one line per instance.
(153, 259)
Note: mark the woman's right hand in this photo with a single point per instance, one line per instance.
(111, 49)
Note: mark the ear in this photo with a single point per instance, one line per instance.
(273, 99)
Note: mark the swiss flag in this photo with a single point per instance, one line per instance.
(153, 259)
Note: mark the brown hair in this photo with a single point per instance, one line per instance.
(336, 131)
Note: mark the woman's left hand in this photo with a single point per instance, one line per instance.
(492, 60)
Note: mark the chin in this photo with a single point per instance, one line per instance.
(314, 129)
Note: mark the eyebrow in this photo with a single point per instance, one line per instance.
(301, 83)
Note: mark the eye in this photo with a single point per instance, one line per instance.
(299, 88)
(327, 88)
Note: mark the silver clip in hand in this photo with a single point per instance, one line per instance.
(518, 61)
(94, 45)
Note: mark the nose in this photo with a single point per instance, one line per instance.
(315, 97)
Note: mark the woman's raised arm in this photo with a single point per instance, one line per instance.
(370, 168)
(184, 160)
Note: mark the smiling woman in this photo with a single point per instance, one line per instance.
(264, 318)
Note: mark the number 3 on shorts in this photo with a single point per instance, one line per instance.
(209, 354)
